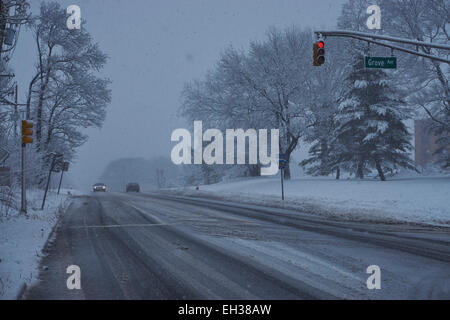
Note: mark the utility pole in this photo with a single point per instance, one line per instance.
(16, 114)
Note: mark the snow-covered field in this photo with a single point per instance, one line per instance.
(412, 199)
(22, 239)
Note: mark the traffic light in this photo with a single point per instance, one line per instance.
(27, 132)
(319, 53)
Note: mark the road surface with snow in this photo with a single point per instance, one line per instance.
(161, 246)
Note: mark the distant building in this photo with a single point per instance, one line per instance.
(425, 143)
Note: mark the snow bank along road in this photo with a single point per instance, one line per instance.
(157, 246)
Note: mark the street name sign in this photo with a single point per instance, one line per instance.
(380, 62)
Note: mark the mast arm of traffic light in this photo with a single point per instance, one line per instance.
(393, 47)
(370, 38)
(345, 33)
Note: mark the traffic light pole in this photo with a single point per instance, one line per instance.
(26, 137)
(23, 208)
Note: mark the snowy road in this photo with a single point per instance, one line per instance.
(141, 246)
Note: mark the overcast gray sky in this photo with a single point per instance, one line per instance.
(155, 46)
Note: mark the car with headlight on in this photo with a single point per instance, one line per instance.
(99, 187)
(133, 187)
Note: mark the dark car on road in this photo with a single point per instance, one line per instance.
(133, 187)
(99, 187)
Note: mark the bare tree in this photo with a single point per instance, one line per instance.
(65, 93)
(263, 88)
(64, 82)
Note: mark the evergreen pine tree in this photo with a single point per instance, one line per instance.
(370, 129)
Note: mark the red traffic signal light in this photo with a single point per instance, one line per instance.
(319, 53)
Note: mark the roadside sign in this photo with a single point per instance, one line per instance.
(282, 161)
(58, 164)
(65, 167)
(380, 62)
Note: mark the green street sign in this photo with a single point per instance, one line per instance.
(380, 62)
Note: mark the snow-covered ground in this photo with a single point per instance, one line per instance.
(410, 198)
(22, 239)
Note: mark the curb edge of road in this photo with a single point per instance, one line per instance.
(45, 249)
